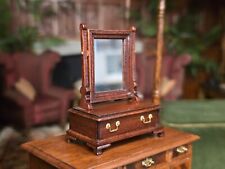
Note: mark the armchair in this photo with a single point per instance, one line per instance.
(50, 103)
(173, 68)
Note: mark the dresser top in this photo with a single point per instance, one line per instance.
(103, 111)
(61, 154)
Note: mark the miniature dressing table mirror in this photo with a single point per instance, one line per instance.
(108, 72)
(110, 109)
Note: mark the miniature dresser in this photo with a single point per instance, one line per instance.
(173, 151)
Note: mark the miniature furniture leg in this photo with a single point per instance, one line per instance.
(159, 132)
(96, 149)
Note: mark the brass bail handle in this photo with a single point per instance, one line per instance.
(148, 162)
(108, 127)
(182, 149)
(142, 118)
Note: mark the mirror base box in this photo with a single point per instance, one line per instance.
(108, 123)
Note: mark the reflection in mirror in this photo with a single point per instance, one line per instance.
(108, 58)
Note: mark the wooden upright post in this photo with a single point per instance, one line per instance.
(85, 90)
(156, 93)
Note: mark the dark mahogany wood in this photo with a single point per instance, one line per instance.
(129, 91)
(55, 152)
(103, 118)
(90, 126)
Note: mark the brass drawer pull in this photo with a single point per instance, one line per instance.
(108, 127)
(181, 149)
(148, 162)
(150, 116)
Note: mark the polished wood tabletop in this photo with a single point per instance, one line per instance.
(60, 154)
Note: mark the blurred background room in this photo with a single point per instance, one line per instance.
(40, 68)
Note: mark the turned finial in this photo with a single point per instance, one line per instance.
(133, 28)
(83, 26)
(160, 43)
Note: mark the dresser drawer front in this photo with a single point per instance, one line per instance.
(181, 164)
(181, 151)
(152, 162)
(142, 120)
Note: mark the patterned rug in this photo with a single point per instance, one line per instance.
(11, 154)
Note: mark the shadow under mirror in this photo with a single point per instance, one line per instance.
(108, 58)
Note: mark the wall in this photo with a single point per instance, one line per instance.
(63, 17)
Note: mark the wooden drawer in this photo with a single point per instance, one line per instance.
(153, 162)
(181, 157)
(142, 120)
(183, 163)
(181, 151)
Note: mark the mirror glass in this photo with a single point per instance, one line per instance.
(108, 61)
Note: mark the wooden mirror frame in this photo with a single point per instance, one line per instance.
(129, 91)
(88, 97)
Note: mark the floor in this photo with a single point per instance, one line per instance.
(11, 154)
(205, 118)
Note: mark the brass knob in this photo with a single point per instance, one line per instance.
(108, 127)
(148, 162)
(181, 149)
(142, 118)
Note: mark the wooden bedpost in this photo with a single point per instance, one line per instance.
(159, 52)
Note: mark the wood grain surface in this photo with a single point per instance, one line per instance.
(60, 154)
